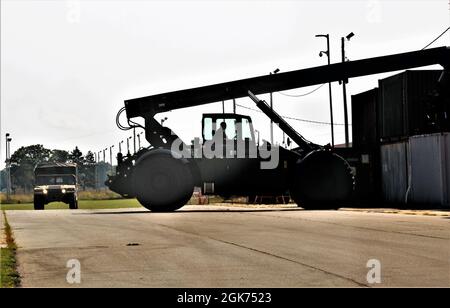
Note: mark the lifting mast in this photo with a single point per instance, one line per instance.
(147, 107)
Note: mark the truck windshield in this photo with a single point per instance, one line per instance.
(55, 180)
(235, 128)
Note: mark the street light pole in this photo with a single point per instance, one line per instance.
(271, 108)
(105, 170)
(6, 148)
(328, 53)
(128, 145)
(120, 146)
(98, 170)
(8, 166)
(139, 141)
(95, 170)
(344, 89)
(271, 122)
(110, 157)
(134, 140)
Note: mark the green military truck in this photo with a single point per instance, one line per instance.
(55, 182)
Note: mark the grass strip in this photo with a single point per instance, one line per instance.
(9, 276)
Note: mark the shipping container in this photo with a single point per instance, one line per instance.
(364, 120)
(430, 169)
(405, 104)
(394, 171)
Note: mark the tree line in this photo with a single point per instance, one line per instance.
(23, 161)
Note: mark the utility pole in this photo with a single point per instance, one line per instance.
(98, 171)
(110, 158)
(223, 106)
(128, 145)
(344, 90)
(139, 141)
(105, 171)
(271, 108)
(134, 140)
(234, 105)
(8, 166)
(271, 122)
(120, 146)
(95, 171)
(328, 53)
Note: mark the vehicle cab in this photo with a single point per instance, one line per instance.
(55, 182)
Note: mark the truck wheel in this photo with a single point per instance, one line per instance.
(38, 204)
(322, 180)
(161, 182)
(73, 204)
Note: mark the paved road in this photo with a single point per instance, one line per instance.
(230, 247)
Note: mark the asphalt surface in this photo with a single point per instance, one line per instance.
(211, 246)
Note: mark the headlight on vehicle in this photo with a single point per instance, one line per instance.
(45, 191)
(63, 191)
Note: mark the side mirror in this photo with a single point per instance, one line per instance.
(289, 142)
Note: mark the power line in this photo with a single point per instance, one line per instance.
(313, 122)
(295, 119)
(440, 35)
(301, 95)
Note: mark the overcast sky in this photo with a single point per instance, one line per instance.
(67, 66)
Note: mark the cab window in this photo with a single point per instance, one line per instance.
(230, 131)
(247, 130)
(210, 126)
(207, 128)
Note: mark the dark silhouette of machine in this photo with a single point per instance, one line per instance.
(315, 176)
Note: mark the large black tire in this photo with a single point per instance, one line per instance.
(161, 182)
(322, 180)
(38, 203)
(73, 203)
